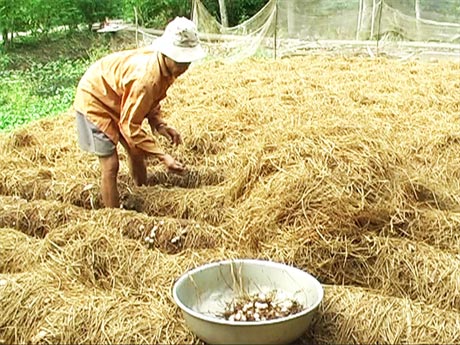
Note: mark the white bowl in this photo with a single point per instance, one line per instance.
(203, 293)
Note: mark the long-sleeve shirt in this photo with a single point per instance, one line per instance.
(118, 92)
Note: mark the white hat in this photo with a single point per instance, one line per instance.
(180, 41)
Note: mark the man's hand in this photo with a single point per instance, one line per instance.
(169, 133)
(172, 165)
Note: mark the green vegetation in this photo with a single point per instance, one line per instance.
(41, 90)
(40, 17)
(38, 77)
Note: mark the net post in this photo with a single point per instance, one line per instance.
(276, 28)
(137, 26)
(379, 23)
(360, 18)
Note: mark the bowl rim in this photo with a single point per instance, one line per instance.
(217, 320)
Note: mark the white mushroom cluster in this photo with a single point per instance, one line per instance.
(260, 307)
(150, 239)
(177, 240)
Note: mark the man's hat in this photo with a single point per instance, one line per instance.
(180, 41)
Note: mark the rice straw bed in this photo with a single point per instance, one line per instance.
(346, 167)
(357, 316)
(394, 266)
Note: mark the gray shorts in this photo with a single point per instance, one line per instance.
(92, 139)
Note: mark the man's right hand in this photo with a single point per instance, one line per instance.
(172, 165)
(169, 133)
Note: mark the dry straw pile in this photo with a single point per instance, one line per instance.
(348, 168)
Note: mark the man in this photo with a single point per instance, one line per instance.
(118, 92)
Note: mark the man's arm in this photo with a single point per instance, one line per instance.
(158, 124)
(135, 106)
(155, 118)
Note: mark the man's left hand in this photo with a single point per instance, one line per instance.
(170, 133)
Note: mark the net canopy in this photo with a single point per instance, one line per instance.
(399, 28)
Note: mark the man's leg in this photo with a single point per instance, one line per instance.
(93, 140)
(136, 164)
(109, 172)
(138, 169)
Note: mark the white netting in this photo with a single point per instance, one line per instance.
(398, 28)
(401, 28)
(254, 36)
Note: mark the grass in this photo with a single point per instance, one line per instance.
(38, 77)
(40, 91)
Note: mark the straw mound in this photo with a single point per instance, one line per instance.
(19, 251)
(60, 301)
(61, 223)
(344, 167)
(394, 266)
(357, 316)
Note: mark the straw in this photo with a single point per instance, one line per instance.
(345, 167)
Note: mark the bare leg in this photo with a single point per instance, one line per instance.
(136, 164)
(137, 169)
(109, 172)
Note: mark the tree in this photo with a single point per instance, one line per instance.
(93, 11)
(41, 16)
(11, 19)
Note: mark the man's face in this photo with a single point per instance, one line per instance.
(176, 68)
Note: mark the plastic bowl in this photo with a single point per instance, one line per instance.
(203, 293)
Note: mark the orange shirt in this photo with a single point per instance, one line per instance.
(122, 89)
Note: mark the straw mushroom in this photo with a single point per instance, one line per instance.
(260, 307)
